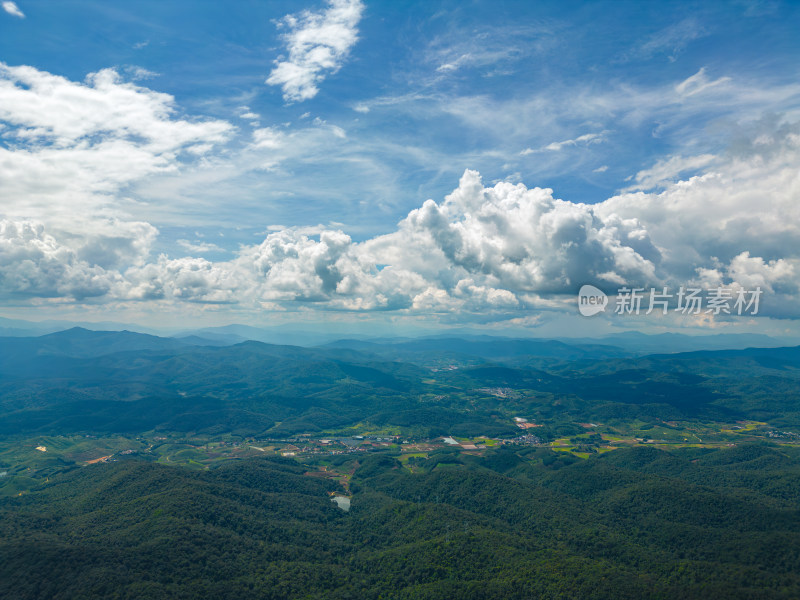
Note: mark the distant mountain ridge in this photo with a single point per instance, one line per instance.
(491, 348)
(78, 342)
(288, 334)
(81, 380)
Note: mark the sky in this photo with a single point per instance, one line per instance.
(399, 166)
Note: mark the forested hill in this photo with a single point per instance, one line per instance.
(513, 524)
(79, 381)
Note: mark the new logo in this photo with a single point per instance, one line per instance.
(591, 300)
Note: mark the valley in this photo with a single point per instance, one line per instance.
(135, 466)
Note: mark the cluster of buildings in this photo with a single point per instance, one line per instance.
(527, 439)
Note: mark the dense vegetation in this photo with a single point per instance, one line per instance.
(81, 381)
(637, 523)
(592, 515)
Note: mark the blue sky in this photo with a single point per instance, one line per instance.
(267, 161)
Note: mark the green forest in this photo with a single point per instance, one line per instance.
(138, 467)
(513, 523)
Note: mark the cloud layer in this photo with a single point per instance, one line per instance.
(497, 249)
(71, 150)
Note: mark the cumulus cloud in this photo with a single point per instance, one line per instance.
(68, 150)
(72, 146)
(114, 243)
(183, 280)
(737, 224)
(318, 43)
(42, 106)
(497, 249)
(34, 264)
(12, 9)
(503, 249)
(525, 241)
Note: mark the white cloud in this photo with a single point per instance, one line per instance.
(495, 249)
(113, 243)
(697, 83)
(318, 43)
(667, 171)
(246, 113)
(139, 73)
(523, 240)
(49, 107)
(729, 224)
(268, 137)
(586, 139)
(199, 247)
(482, 250)
(12, 9)
(183, 280)
(34, 264)
(752, 272)
(70, 147)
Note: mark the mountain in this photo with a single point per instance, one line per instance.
(22, 328)
(80, 380)
(279, 335)
(510, 350)
(482, 347)
(602, 512)
(83, 343)
(640, 343)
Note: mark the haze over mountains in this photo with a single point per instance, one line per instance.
(630, 341)
(77, 380)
